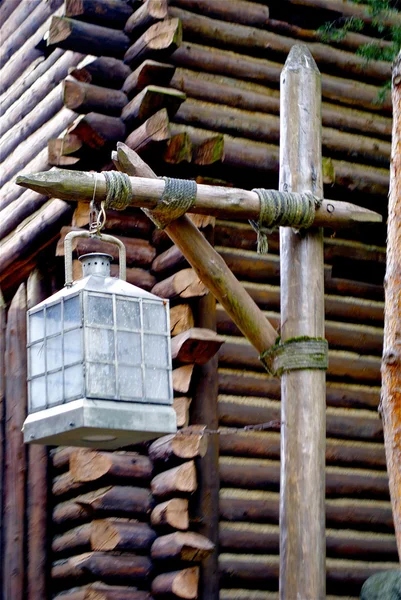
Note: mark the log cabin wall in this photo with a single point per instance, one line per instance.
(193, 87)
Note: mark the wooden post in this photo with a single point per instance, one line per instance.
(3, 324)
(391, 365)
(303, 400)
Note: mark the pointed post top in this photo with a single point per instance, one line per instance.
(300, 57)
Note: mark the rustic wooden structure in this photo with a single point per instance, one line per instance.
(225, 133)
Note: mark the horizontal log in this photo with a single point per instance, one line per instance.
(73, 541)
(184, 284)
(124, 501)
(132, 221)
(149, 13)
(183, 584)
(236, 11)
(169, 261)
(266, 444)
(161, 39)
(236, 36)
(139, 252)
(264, 474)
(260, 70)
(182, 377)
(101, 591)
(99, 565)
(186, 546)
(340, 395)
(181, 318)
(136, 276)
(85, 98)
(121, 535)
(181, 480)
(111, 13)
(150, 72)
(65, 486)
(60, 457)
(172, 513)
(263, 507)
(178, 149)
(153, 131)
(181, 406)
(93, 465)
(195, 345)
(189, 443)
(87, 38)
(97, 130)
(351, 424)
(254, 538)
(151, 99)
(266, 128)
(104, 71)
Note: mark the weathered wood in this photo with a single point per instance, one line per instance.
(172, 513)
(111, 13)
(184, 284)
(182, 377)
(101, 591)
(181, 480)
(60, 149)
(181, 318)
(139, 252)
(85, 97)
(187, 444)
(161, 39)
(7, 8)
(150, 72)
(236, 11)
(149, 13)
(391, 394)
(181, 406)
(233, 35)
(178, 149)
(196, 345)
(98, 130)
(151, 99)
(121, 535)
(60, 458)
(15, 458)
(183, 584)
(169, 261)
(99, 565)
(65, 486)
(87, 38)
(3, 326)
(223, 62)
(92, 465)
(209, 151)
(74, 540)
(156, 129)
(125, 501)
(105, 71)
(180, 545)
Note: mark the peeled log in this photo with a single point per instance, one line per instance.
(186, 546)
(182, 377)
(159, 40)
(92, 465)
(86, 97)
(105, 71)
(100, 565)
(150, 100)
(196, 345)
(178, 149)
(112, 13)
(187, 444)
(181, 407)
(150, 72)
(101, 591)
(120, 535)
(149, 13)
(184, 284)
(391, 366)
(156, 129)
(181, 318)
(181, 480)
(183, 584)
(98, 130)
(172, 513)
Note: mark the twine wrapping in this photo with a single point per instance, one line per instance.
(118, 190)
(178, 197)
(283, 209)
(296, 354)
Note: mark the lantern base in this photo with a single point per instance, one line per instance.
(103, 424)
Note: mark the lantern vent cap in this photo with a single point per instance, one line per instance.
(96, 263)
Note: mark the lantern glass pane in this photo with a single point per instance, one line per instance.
(73, 382)
(55, 388)
(72, 313)
(154, 317)
(73, 346)
(129, 348)
(130, 382)
(37, 394)
(100, 344)
(101, 380)
(100, 310)
(128, 314)
(37, 359)
(156, 350)
(53, 319)
(54, 353)
(36, 326)
(157, 384)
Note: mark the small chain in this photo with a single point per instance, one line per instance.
(97, 218)
(269, 425)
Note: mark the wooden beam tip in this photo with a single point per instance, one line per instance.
(300, 57)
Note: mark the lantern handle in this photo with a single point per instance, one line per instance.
(86, 234)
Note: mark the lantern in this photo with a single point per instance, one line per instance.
(99, 360)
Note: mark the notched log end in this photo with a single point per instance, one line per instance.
(300, 58)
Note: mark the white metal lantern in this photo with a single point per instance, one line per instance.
(99, 360)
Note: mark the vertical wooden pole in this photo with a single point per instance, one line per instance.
(3, 322)
(15, 450)
(303, 392)
(391, 365)
(37, 484)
